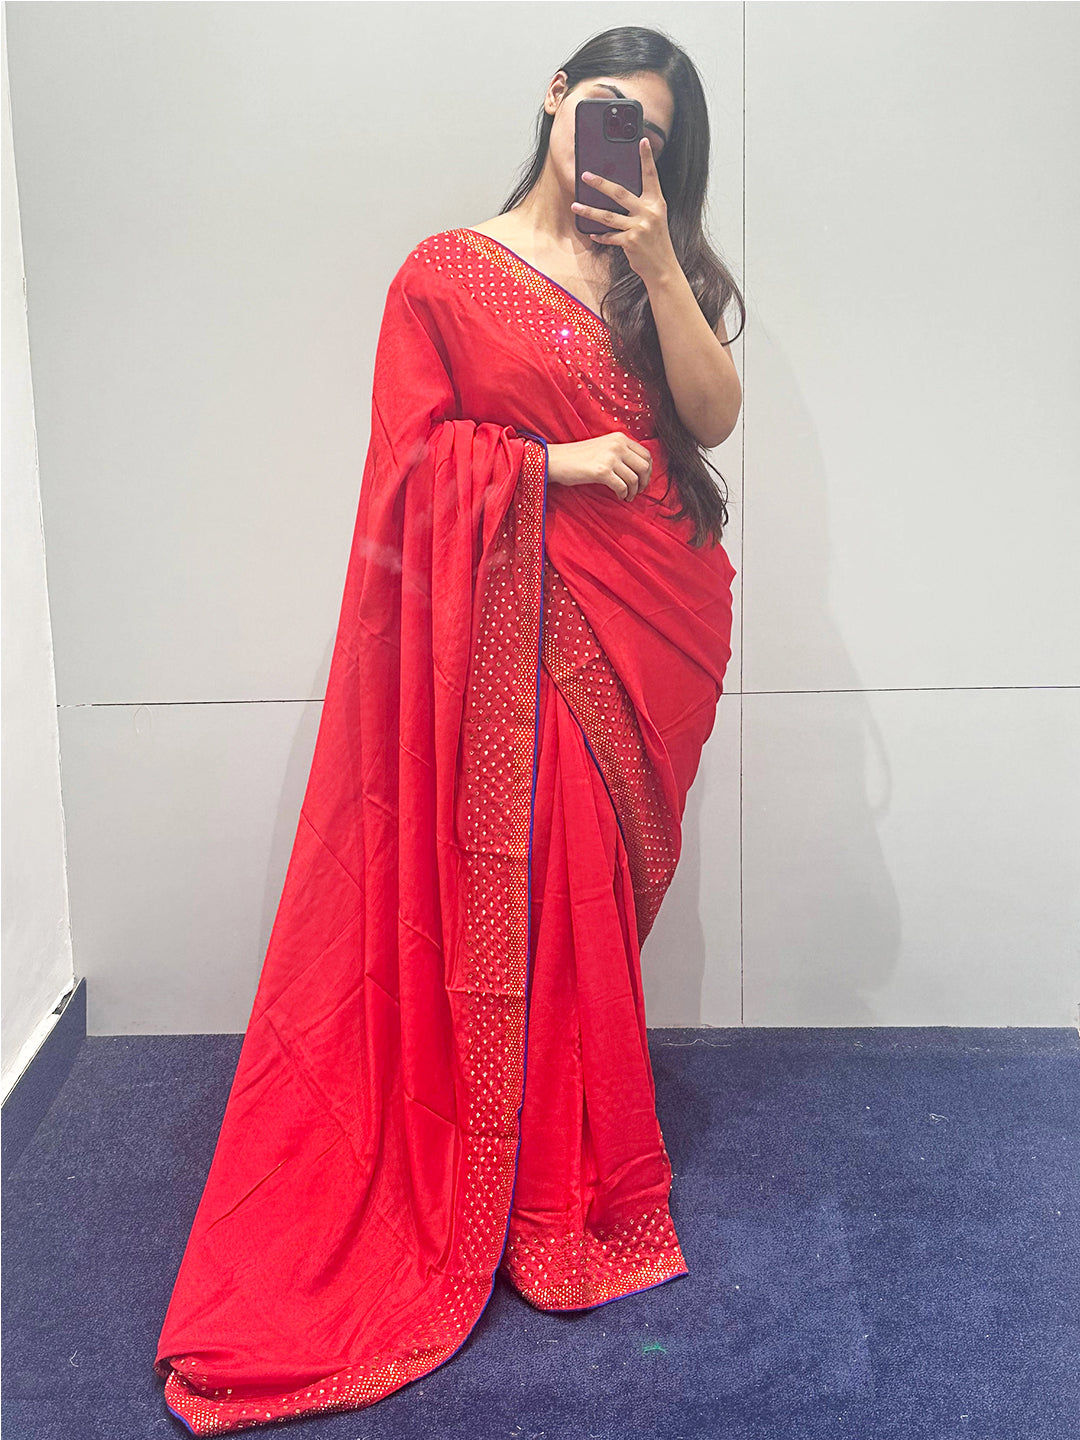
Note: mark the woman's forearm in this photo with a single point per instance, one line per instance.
(700, 371)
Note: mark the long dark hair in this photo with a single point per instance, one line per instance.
(683, 168)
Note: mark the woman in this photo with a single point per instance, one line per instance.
(531, 646)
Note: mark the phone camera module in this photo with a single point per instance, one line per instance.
(620, 122)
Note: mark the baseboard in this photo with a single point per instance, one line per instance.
(39, 1084)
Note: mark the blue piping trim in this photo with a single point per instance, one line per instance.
(528, 981)
(177, 1414)
(548, 278)
(540, 440)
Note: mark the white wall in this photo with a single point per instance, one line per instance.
(36, 935)
(886, 828)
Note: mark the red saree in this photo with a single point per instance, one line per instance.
(522, 681)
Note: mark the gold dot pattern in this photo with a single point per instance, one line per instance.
(514, 291)
(579, 1268)
(576, 661)
(487, 991)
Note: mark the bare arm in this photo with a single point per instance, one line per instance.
(700, 371)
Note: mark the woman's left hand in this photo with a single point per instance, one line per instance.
(643, 233)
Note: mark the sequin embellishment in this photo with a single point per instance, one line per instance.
(560, 323)
(581, 1268)
(576, 661)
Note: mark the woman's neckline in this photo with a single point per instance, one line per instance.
(537, 271)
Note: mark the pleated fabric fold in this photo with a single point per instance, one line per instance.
(590, 1219)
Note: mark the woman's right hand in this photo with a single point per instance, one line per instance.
(615, 460)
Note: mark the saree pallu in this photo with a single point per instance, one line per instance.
(446, 1072)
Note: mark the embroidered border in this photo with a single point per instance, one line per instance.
(578, 1269)
(577, 663)
(583, 317)
(548, 314)
(496, 796)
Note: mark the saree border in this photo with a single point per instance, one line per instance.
(553, 294)
(582, 1267)
(579, 339)
(598, 700)
(502, 700)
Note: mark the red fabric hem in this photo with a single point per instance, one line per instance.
(580, 1269)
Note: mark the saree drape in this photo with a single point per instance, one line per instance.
(445, 1072)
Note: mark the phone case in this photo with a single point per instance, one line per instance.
(618, 160)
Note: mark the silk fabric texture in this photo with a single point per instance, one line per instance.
(445, 1072)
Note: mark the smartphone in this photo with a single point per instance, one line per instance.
(606, 137)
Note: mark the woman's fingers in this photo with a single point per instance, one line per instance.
(629, 476)
(645, 471)
(631, 463)
(608, 217)
(609, 187)
(616, 460)
(639, 460)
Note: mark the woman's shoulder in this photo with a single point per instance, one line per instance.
(429, 267)
(446, 245)
(434, 248)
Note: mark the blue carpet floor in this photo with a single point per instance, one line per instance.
(882, 1228)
